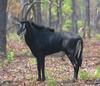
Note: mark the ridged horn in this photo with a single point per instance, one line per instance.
(23, 9)
(29, 8)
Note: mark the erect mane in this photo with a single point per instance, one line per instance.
(41, 27)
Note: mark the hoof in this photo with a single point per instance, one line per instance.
(43, 79)
(38, 79)
(74, 80)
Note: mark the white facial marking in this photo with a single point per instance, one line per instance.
(23, 26)
(23, 29)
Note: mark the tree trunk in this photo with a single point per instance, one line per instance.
(97, 18)
(74, 16)
(97, 23)
(78, 11)
(59, 14)
(3, 6)
(50, 6)
(93, 8)
(38, 12)
(87, 17)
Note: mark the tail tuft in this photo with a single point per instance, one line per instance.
(79, 51)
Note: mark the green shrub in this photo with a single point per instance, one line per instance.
(13, 36)
(67, 25)
(80, 23)
(84, 75)
(51, 82)
(97, 72)
(32, 61)
(10, 56)
(98, 36)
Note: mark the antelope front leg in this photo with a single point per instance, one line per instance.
(43, 68)
(39, 69)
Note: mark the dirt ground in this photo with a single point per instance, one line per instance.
(22, 70)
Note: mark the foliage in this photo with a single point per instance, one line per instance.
(32, 61)
(66, 8)
(17, 44)
(80, 23)
(97, 72)
(50, 81)
(10, 56)
(84, 75)
(67, 26)
(13, 36)
(98, 36)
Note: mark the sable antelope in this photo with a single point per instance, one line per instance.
(43, 41)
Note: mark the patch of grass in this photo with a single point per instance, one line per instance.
(13, 36)
(98, 36)
(50, 80)
(16, 44)
(25, 51)
(97, 72)
(84, 75)
(32, 61)
(61, 70)
(80, 23)
(10, 56)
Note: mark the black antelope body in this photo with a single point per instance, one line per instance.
(43, 41)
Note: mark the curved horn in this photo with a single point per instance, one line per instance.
(29, 8)
(23, 10)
